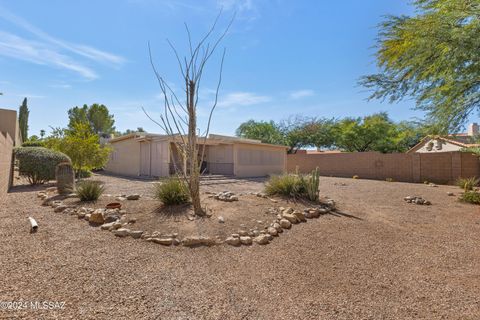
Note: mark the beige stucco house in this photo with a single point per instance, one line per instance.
(453, 142)
(155, 155)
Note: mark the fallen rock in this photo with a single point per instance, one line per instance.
(233, 241)
(135, 196)
(246, 240)
(261, 239)
(122, 232)
(285, 224)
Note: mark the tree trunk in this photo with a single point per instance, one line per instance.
(193, 151)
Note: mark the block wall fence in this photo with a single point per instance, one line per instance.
(6, 149)
(442, 168)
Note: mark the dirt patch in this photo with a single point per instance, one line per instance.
(379, 258)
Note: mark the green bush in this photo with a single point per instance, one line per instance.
(36, 143)
(467, 184)
(89, 190)
(470, 197)
(38, 164)
(84, 174)
(290, 185)
(172, 191)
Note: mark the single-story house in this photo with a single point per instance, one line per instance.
(155, 155)
(452, 142)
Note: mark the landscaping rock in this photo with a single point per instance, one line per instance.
(272, 231)
(246, 240)
(60, 208)
(417, 200)
(163, 241)
(195, 241)
(107, 226)
(243, 233)
(278, 227)
(56, 203)
(285, 224)
(450, 194)
(221, 219)
(311, 213)
(261, 239)
(135, 234)
(97, 217)
(226, 196)
(176, 242)
(290, 217)
(117, 225)
(135, 196)
(233, 241)
(300, 217)
(122, 232)
(120, 198)
(112, 217)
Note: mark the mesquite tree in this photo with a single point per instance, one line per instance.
(179, 117)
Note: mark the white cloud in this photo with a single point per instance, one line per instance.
(301, 94)
(242, 99)
(244, 9)
(60, 86)
(50, 51)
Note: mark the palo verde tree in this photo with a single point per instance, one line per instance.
(179, 116)
(433, 58)
(23, 119)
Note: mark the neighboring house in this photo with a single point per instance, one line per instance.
(453, 142)
(9, 124)
(154, 155)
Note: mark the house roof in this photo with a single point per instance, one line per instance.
(211, 140)
(449, 140)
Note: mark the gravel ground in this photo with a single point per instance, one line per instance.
(379, 258)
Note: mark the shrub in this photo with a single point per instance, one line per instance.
(172, 191)
(470, 197)
(467, 184)
(355, 177)
(89, 190)
(290, 185)
(312, 183)
(84, 174)
(38, 164)
(36, 143)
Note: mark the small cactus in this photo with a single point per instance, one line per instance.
(312, 185)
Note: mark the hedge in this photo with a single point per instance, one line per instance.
(38, 164)
(33, 144)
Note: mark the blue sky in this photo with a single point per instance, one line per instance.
(283, 58)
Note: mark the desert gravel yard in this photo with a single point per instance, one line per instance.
(379, 257)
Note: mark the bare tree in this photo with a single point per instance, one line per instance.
(179, 118)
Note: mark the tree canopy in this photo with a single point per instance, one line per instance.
(433, 58)
(376, 132)
(96, 116)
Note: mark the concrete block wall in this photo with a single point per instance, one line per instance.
(6, 154)
(442, 168)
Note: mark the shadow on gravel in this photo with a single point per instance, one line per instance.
(29, 188)
(343, 214)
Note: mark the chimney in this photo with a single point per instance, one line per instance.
(472, 129)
